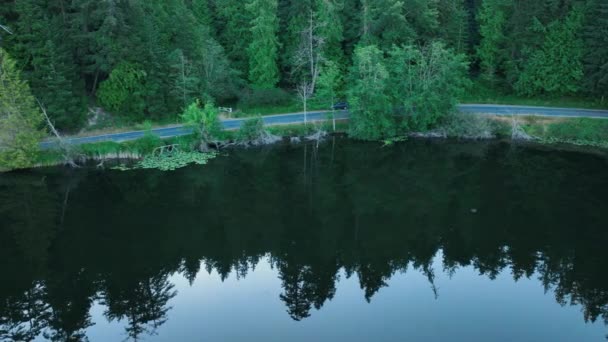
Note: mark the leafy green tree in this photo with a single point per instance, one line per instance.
(329, 83)
(219, 79)
(371, 117)
(185, 80)
(425, 83)
(204, 122)
(123, 91)
(263, 49)
(20, 118)
(556, 67)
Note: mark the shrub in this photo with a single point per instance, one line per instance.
(205, 122)
(469, 126)
(123, 90)
(251, 129)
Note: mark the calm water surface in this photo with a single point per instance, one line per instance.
(425, 241)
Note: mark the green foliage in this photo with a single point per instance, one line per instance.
(454, 24)
(185, 81)
(411, 90)
(426, 83)
(491, 51)
(556, 67)
(596, 49)
(101, 148)
(145, 145)
(264, 46)
(469, 126)
(371, 116)
(232, 25)
(331, 29)
(48, 65)
(265, 97)
(123, 91)
(292, 130)
(329, 83)
(251, 129)
(204, 121)
(20, 118)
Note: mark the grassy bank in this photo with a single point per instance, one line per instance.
(579, 131)
(149, 144)
(573, 131)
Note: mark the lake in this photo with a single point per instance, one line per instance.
(422, 241)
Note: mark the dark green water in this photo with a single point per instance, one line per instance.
(425, 241)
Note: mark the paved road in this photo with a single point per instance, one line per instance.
(296, 118)
(528, 110)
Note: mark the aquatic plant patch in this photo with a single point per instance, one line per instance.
(170, 161)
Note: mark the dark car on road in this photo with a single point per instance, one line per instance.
(340, 106)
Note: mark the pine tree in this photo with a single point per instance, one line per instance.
(49, 66)
(596, 49)
(491, 51)
(331, 28)
(453, 27)
(20, 118)
(59, 88)
(556, 67)
(293, 21)
(263, 49)
(234, 32)
(185, 81)
(385, 23)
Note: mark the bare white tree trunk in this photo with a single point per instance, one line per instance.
(304, 92)
(309, 55)
(68, 154)
(6, 29)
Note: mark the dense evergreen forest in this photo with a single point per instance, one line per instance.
(151, 59)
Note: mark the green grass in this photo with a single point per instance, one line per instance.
(480, 93)
(579, 131)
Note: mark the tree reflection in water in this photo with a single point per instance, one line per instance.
(371, 212)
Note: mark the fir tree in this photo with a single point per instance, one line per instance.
(263, 49)
(556, 67)
(596, 50)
